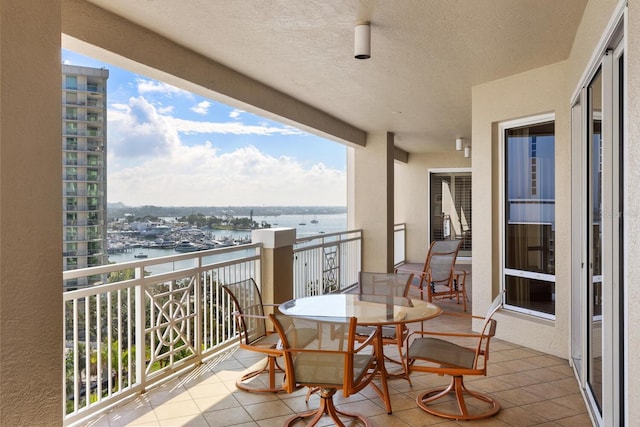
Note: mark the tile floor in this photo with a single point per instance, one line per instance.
(533, 388)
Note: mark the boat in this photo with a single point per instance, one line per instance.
(140, 255)
(186, 246)
(314, 221)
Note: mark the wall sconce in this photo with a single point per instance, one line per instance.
(467, 151)
(459, 144)
(362, 43)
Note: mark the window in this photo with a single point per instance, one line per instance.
(72, 143)
(72, 98)
(529, 216)
(71, 82)
(71, 128)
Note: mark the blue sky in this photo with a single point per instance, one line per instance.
(169, 147)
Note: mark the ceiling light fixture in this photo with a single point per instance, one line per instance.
(362, 42)
(461, 144)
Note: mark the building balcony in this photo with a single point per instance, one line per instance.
(174, 307)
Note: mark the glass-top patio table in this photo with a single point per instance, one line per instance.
(370, 310)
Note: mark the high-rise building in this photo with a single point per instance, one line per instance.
(84, 176)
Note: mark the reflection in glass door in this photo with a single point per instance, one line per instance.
(594, 237)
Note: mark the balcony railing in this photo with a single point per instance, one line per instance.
(326, 263)
(399, 242)
(84, 88)
(147, 320)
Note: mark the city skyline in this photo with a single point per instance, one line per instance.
(170, 147)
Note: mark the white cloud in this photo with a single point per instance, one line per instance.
(151, 86)
(200, 176)
(166, 110)
(137, 129)
(140, 128)
(201, 108)
(235, 113)
(149, 164)
(237, 128)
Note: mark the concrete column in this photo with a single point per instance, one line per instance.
(371, 199)
(277, 263)
(31, 337)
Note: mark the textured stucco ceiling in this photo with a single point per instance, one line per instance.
(426, 54)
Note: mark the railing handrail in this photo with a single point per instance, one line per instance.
(324, 235)
(104, 269)
(324, 238)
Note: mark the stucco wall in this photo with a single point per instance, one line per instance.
(31, 347)
(527, 94)
(412, 196)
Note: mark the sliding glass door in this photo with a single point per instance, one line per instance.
(450, 208)
(597, 316)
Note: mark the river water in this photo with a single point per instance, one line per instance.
(331, 223)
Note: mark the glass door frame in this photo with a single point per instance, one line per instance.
(611, 64)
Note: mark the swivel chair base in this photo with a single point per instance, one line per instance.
(458, 389)
(326, 407)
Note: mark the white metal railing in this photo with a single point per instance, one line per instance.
(326, 263)
(148, 320)
(399, 239)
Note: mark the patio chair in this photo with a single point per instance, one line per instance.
(254, 336)
(390, 285)
(439, 279)
(432, 352)
(329, 363)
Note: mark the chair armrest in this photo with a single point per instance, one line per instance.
(368, 341)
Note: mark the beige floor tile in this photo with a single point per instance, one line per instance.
(550, 410)
(171, 410)
(261, 411)
(518, 416)
(227, 417)
(216, 403)
(191, 421)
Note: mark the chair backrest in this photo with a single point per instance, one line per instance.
(488, 329)
(250, 315)
(321, 353)
(441, 260)
(387, 284)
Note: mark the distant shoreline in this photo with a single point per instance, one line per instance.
(118, 210)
